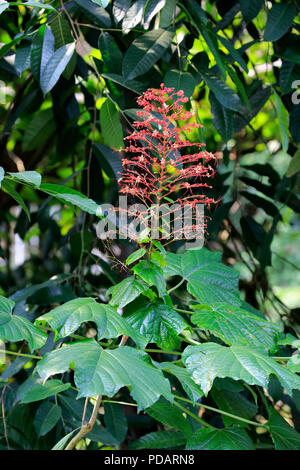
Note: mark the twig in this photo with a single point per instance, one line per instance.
(86, 428)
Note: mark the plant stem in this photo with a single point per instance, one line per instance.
(30, 356)
(176, 287)
(225, 413)
(183, 311)
(188, 412)
(162, 351)
(86, 428)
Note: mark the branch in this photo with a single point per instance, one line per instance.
(86, 428)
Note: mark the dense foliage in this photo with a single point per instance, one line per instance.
(205, 353)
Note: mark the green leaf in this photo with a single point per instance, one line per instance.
(55, 67)
(170, 416)
(39, 130)
(110, 125)
(135, 256)
(222, 118)
(263, 203)
(22, 60)
(152, 8)
(111, 54)
(239, 362)
(95, 13)
(67, 318)
(280, 19)
(189, 386)
(159, 322)
(220, 439)
(31, 177)
(42, 50)
(283, 435)
(158, 440)
(294, 165)
(234, 403)
(166, 14)
(61, 29)
(283, 117)
(286, 76)
(234, 53)
(3, 6)
(102, 3)
(120, 7)
(236, 325)
(151, 274)
(126, 291)
(8, 187)
(133, 15)
(145, 51)
(180, 81)
(104, 372)
(208, 279)
(42, 391)
(16, 328)
(250, 9)
(1, 174)
(46, 417)
(221, 90)
(34, 4)
(60, 445)
(109, 160)
(115, 421)
(133, 85)
(257, 101)
(71, 197)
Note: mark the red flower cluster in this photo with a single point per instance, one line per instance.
(161, 169)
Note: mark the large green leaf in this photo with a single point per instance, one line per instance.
(159, 440)
(221, 90)
(42, 391)
(42, 50)
(126, 291)
(71, 197)
(111, 54)
(39, 130)
(3, 6)
(280, 19)
(104, 372)
(22, 60)
(151, 274)
(170, 416)
(55, 67)
(8, 187)
(239, 362)
(283, 435)
(208, 279)
(159, 322)
(250, 9)
(222, 118)
(115, 420)
(145, 52)
(31, 177)
(61, 28)
(110, 125)
(236, 325)
(94, 12)
(234, 403)
(133, 14)
(46, 418)
(16, 328)
(180, 81)
(109, 160)
(68, 317)
(189, 386)
(220, 439)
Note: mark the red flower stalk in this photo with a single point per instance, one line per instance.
(161, 169)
